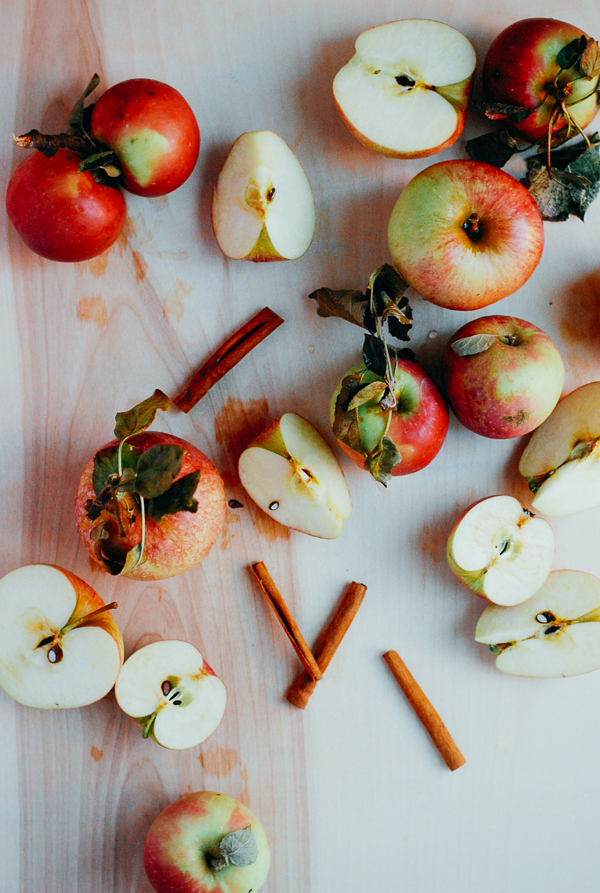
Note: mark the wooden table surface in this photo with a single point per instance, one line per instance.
(351, 792)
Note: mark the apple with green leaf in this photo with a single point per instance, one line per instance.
(406, 90)
(149, 505)
(59, 645)
(206, 842)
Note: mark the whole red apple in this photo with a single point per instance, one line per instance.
(153, 132)
(62, 214)
(204, 842)
(171, 542)
(465, 234)
(503, 376)
(522, 68)
(389, 440)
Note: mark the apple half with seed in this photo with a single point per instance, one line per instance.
(500, 550)
(175, 696)
(562, 460)
(263, 207)
(405, 92)
(554, 633)
(291, 474)
(59, 646)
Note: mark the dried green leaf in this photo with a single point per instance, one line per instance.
(474, 344)
(387, 288)
(582, 450)
(374, 356)
(178, 498)
(383, 459)
(239, 847)
(372, 391)
(97, 161)
(497, 111)
(106, 464)
(570, 54)
(133, 559)
(574, 184)
(590, 59)
(141, 416)
(76, 116)
(553, 198)
(347, 304)
(494, 148)
(157, 468)
(345, 422)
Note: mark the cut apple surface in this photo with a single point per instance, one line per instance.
(501, 551)
(405, 91)
(554, 633)
(562, 460)
(263, 208)
(172, 692)
(291, 473)
(59, 646)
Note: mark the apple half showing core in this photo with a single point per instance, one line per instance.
(561, 462)
(405, 92)
(59, 646)
(291, 474)
(263, 207)
(501, 551)
(172, 692)
(554, 633)
(206, 842)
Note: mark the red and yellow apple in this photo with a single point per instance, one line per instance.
(465, 234)
(503, 376)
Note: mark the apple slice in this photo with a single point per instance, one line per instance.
(562, 459)
(554, 633)
(292, 474)
(172, 692)
(59, 646)
(500, 550)
(263, 206)
(405, 92)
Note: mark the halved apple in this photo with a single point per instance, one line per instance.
(263, 206)
(292, 474)
(555, 633)
(59, 646)
(500, 550)
(405, 92)
(562, 460)
(172, 692)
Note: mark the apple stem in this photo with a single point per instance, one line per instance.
(473, 228)
(82, 621)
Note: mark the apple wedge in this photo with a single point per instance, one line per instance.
(172, 692)
(554, 633)
(59, 646)
(405, 92)
(291, 474)
(263, 208)
(562, 460)
(500, 550)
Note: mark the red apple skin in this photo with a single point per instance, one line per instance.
(188, 829)
(134, 110)
(177, 542)
(507, 390)
(418, 428)
(522, 61)
(61, 214)
(435, 254)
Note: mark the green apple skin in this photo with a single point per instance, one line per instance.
(521, 63)
(508, 389)
(434, 248)
(192, 828)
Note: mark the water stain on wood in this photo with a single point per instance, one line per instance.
(173, 304)
(219, 761)
(96, 754)
(580, 330)
(93, 309)
(97, 265)
(140, 265)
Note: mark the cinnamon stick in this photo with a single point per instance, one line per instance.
(227, 356)
(424, 709)
(284, 616)
(329, 641)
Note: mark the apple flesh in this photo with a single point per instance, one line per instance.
(184, 841)
(58, 648)
(521, 69)
(62, 214)
(405, 92)
(152, 131)
(500, 550)
(503, 376)
(554, 633)
(263, 208)
(291, 474)
(178, 541)
(465, 234)
(562, 460)
(173, 693)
